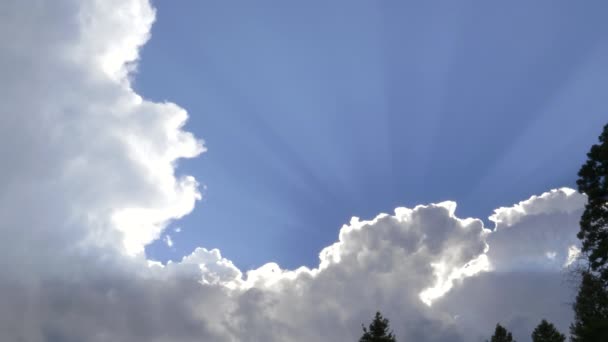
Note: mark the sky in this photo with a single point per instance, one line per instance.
(197, 171)
(317, 112)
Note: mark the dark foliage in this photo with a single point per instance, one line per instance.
(593, 181)
(590, 311)
(546, 332)
(378, 331)
(501, 335)
(591, 306)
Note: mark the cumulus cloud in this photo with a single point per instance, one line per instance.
(82, 150)
(530, 248)
(517, 246)
(89, 179)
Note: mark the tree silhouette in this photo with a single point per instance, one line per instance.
(590, 311)
(546, 332)
(593, 181)
(591, 306)
(501, 335)
(378, 331)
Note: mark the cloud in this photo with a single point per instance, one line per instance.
(83, 151)
(530, 234)
(168, 240)
(89, 178)
(530, 248)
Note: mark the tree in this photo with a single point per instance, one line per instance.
(590, 311)
(378, 331)
(591, 305)
(593, 181)
(501, 335)
(546, 332)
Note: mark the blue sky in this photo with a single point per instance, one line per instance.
(312, 112)
(316, 111)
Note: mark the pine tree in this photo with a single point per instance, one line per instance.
(593, 181)
(501, 335)
(591, 306)
(590, 311)
(378, 331)
(546, 332)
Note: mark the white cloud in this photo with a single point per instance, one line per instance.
(562, 200)
(168, 240)
(533, 243)
(573, 253)
(83, 149)
(531, 231)
(89, 179)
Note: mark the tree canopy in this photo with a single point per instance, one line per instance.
(546, 332)
(590, 311)
(378, 331)
(591, 306)
(501, 335)
(593, 181)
